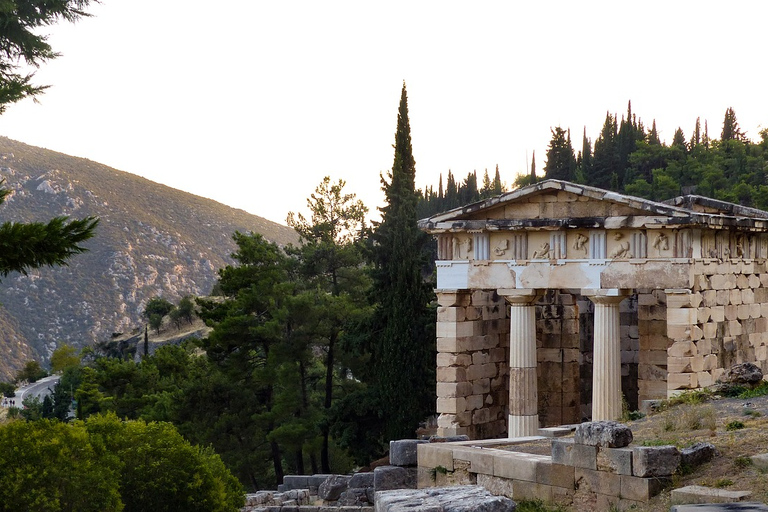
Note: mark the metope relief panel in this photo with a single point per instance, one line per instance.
(461, 247)
(740, 247)
(482, 244)
(761, 246)
(661, 245)
(580, 246)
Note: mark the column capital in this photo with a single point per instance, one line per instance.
(606, 296)
(519, 296)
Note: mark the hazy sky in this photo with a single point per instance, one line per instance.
(252, 103)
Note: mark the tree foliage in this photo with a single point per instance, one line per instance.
(21, 41)
(402, 327)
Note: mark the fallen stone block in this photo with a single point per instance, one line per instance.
(694, 494)
(331, 489)
(743, 506)
(393, 477)
(357, 497)
(361, 480)
(742, 374)
(471, 498)
(650, 461)
(760, 461)
(697, 454)
(609, 434)
(403, 452)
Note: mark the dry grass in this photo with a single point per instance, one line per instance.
(715, 421)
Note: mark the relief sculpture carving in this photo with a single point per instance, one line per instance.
(580, 244)
(542, 252)
(501, 249)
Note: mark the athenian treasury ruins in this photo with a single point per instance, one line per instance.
(558, 300)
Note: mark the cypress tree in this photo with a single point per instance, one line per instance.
(605, 159)
(498, 187)
(403, 323)
(561, 162)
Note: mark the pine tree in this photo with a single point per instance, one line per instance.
(605, 160)
(403, 324)
(498, 186)
(678, 140)
(653, 136)
(731, 130)
(561, 162)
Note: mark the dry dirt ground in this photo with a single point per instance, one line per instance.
(737, 427)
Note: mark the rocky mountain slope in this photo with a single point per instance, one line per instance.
(152, 241)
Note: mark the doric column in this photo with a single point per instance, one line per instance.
(606, 359)
(523, 393)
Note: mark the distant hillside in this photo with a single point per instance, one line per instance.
(152, 241)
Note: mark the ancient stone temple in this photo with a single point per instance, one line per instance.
(560, 302)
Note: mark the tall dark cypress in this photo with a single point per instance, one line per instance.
(404, 344)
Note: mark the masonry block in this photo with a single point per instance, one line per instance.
(615, 460)
(648, 461)
(432, 455)
(565, 451)
(517, 466)
(558, 475)
(642, 489)
(599, 482)
(697, 494)
(403, 452)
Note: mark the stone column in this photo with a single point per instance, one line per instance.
(523, 394)
(606, 360)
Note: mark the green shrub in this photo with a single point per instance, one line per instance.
(734, 425)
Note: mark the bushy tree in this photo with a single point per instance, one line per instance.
(561, 162)
(32, 372)
(65, 356)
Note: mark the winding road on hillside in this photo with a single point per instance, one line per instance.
(40, 389)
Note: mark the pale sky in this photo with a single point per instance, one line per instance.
(252, 103)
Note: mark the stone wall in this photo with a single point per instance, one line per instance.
(472, 364)
(722, 321)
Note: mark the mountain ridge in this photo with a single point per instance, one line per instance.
(152, 240)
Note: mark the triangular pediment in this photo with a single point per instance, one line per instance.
(554, 203)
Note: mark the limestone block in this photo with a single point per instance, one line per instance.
(723, 297)
(764, 309)
(454, 389)
(709, 298)
(558, 475)
(474, 402)
(566, 451)
(696, 333)
(743, 311)
(717, 373)
(735, 297)
(742, 281)
(701, 282)
(452, 431)
(754, 281)
(452, 374)
(453, 299)
(717, 313)
(642, 489)
(610, 434)
(480, 357)
(481, 416)
(731, 312)
(473, 313)
(682, 381)
(703, 315)
(709, 330)
(517, 466)
(451, 314)
(710, 362)
(683, 300)
(652, 327)
(720, 282)
(733, 328)
(654, 342)
(698, 494)
(451, 405)
(755, 311)
(599, 482)
(747, 296)
(704, 346)
(652, 389)
(484, 298)
(481, 386)
(332, 487)
(682, 349)
(432, 455)
(497, 354)
(647, 299)
(531, 491)
(496, 312)
(654, 372)
(761, 353)
(403, 452)
(451, 359)
(467, 498)
(615, 460)
(678, 365)
(651, 461)
(697, 454)
(495, 485)
(679, 332)
(761, 324)
(481, 371)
